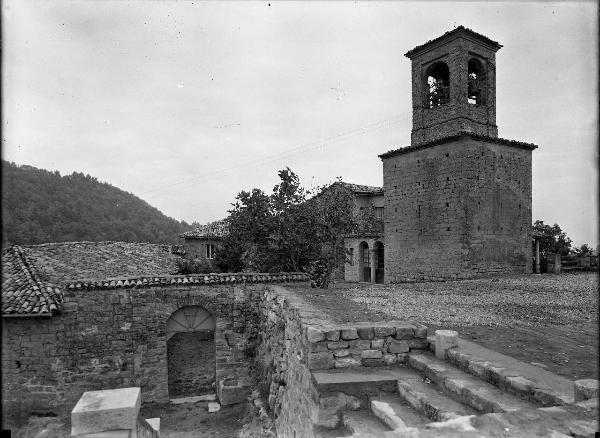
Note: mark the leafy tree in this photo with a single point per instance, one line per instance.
(289, 230)
(552, 239)
(583, 250)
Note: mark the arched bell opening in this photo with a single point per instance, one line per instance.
(437, 85)
(477, 82)
(191, 360)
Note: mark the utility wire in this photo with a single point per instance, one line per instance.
(285, 154)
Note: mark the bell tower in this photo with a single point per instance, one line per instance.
(454, 86)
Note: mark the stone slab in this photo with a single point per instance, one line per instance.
(540, 378)
(112, 409)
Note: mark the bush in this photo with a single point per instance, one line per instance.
(320, 273)
(195, 266)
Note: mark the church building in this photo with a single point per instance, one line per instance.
(457, 201)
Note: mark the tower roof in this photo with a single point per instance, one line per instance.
(460, 31)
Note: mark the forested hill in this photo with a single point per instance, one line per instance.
(39, 206)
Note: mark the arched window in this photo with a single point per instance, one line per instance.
(379, 262)
(437, 83)
(364, 262)
(477, 82)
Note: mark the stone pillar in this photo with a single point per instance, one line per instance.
(114, 413)
(444, 340)
(537, 256)
(585, 389)
(373, 263)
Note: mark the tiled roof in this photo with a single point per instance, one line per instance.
(361, 189)
(457, 136)
(22, 290)
(217, 229)
(451, 33)
(61, 262)
(29, 273)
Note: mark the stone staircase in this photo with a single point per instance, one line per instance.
(460, 395)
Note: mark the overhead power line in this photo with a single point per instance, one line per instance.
(317, 144)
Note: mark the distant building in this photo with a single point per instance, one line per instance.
(364, 249)
(202, 242)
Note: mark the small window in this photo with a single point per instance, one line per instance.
(350, 256)
(379, 213)
(210, 251)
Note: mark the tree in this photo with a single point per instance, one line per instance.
(583, 250)
(289, 230)
(552, 239)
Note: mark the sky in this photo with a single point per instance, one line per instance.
(186, 103)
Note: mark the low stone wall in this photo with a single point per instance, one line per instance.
(114, 336)
(364, 345)
(282, 371)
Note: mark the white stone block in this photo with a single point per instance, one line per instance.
(155, 423)
(214, 407)
(108, 410)
(445, 339)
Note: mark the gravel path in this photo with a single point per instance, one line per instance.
(504, 302)
(548, 320)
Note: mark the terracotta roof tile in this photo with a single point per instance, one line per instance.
(217, 229)
(23, 292)
(361, 189)
(59, 262)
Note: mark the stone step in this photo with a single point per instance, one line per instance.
(466, 388)
(363, 423)
(395, 412)
(361, 383)
(508, 374)
(431, 401)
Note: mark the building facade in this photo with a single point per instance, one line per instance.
(203, 242)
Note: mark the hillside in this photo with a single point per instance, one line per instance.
(39, 206)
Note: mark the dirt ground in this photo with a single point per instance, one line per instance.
(189, 420)
(548, 320)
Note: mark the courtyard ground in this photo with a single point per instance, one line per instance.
(548, 320)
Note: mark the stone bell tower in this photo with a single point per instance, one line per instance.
(457, 201)
(454, 86)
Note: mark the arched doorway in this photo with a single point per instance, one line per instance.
(365, 262)
(191, 352)
(379, 262)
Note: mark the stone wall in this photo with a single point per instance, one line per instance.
(114, 338)
(459, 209)
(282, 371)
(364, 345)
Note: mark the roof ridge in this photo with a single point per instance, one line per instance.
(450, 32)
(456, 136)
(99, 242)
